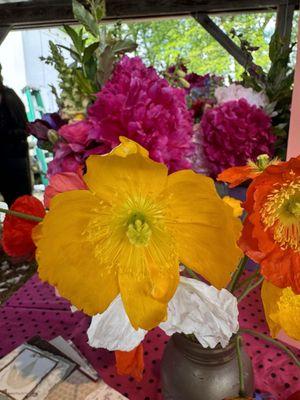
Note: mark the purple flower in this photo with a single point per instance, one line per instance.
(40, 128)
(233, 133)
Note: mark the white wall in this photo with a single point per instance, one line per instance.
(21, 65)
(13, 62)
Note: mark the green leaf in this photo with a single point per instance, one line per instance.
(85, 84)
(85, 18)
(123, 46)
(73, 53)
(76, 38)
(89, 51)
(106, 65)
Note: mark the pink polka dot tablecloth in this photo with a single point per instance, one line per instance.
(35, 310)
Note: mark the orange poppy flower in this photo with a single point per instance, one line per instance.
(131, 362)
(237, 175)
(271, 232)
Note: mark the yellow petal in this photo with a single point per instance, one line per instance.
(112, 177)
(235, 204)
(148, 278)
(127, 147)
(203, 226)
(67, 260)
(282, 309)
(270, 295)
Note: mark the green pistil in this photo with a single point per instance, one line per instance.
(138, 231)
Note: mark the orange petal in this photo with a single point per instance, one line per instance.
(131, 362)
(237, 175)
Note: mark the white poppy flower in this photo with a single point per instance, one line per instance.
(112, 329)
(5, 207)
(210, 314)
(236, 92)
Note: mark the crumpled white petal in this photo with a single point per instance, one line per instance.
(210, 314)
(112, 329)
(236, 92)
(5, 207)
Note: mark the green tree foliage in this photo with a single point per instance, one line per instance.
(161, 42)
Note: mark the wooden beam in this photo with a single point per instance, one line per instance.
(38, 13)
(284, 21)
(222, 38)
(3, 32)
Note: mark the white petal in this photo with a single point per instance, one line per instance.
(236, 92)
(5, 207)
(210, 314)
(112, 329)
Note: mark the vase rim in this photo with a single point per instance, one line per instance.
(201, 355)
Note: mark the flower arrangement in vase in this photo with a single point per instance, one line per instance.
(135, 239)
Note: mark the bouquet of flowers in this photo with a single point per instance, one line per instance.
(135, 239)
(117, 242)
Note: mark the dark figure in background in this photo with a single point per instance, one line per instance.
(15, 177)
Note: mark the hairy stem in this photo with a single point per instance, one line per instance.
(21, 215)
(192, 273)
(239, 342)
(275, 343)
(247, 280)
(249, 288)
(237, 274)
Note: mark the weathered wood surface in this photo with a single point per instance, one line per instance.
(37, 13)
(284, 21)
(3, 32)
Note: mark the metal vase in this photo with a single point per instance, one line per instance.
(191, 372)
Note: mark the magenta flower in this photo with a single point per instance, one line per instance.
(77, 142)
(140, 105)
(135, 103)
(233, 133)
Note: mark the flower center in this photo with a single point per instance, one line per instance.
(281, 213)
(138, 230)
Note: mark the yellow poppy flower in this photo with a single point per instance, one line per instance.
(282, 310)
(128, 233)
(235, 204)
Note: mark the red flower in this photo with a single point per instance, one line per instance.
(16, 239)
(271, 232)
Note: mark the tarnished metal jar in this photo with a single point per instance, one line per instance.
(191, 372)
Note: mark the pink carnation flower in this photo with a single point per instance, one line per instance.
(233, 133)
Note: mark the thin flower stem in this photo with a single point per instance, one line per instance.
(237, 274)
(192, 273)
(275, 343)
(239, 342)
(21, 215)
(247, 280)
(249, 288)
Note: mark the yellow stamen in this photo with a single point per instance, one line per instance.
(281, 213)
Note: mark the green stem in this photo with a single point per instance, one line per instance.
(237, 274)
(249, 288)
(275, 343)
(192, 273)
(21, 215)
(239, 342)
(247, 280)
